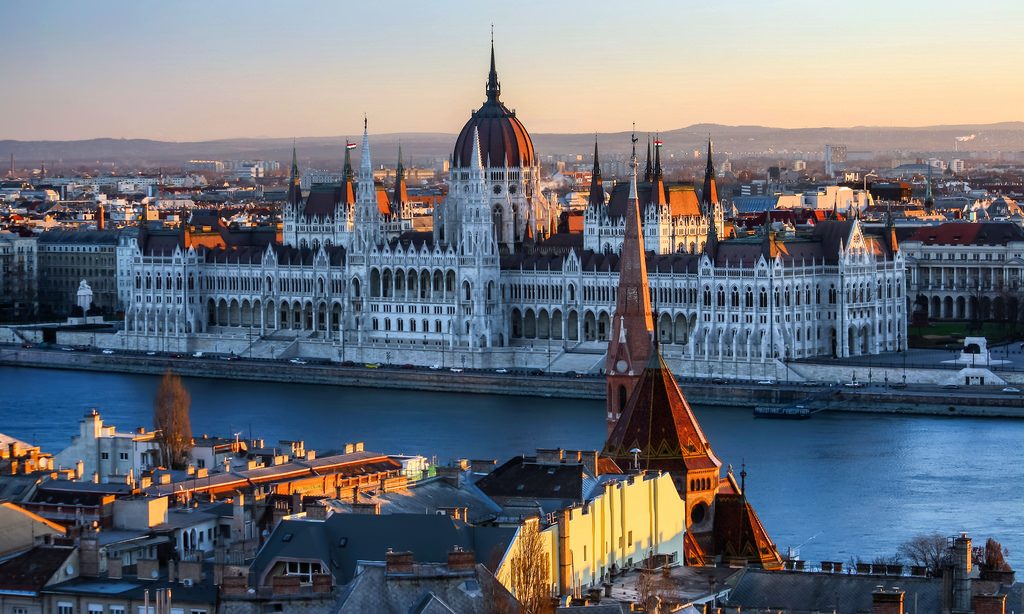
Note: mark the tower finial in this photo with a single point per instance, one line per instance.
(493, 86)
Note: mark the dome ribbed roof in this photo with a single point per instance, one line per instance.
(503, 139)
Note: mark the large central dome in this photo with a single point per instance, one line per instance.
(503, 139)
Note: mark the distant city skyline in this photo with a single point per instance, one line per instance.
(198, 71)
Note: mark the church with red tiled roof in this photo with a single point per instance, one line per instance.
(653, 428)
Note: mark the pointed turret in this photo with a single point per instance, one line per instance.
(709, 195)
(348, 190)
(658, 196)
(596, 198)
(890, 231)
(528, 238)
(711, 243)
(367, 216)
(476, 233)
(401, 193)
(294, 189)
(648, 171)
(929, 200)
(630, 343)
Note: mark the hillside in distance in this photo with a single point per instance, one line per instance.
(425, 148)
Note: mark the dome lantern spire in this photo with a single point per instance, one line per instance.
(493, 85)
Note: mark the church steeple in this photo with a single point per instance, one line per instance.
(630, 345)
(596, 198)
(493, 85)
(709, 195)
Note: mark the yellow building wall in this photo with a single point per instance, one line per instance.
(633, 519)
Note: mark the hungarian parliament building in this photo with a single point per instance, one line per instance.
(494, 285)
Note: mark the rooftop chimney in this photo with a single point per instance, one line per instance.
(886, 601)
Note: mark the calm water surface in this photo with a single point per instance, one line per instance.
(839, 485)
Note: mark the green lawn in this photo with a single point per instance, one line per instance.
(941, 334)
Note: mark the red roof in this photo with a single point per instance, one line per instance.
(659, 422)
(969, 233)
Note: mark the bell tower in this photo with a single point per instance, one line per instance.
(630, 344)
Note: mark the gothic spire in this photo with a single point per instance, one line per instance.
(596, 183)
(294, 189)
(709, 195)
(348, 193)
(629, 347)
(347, 167)
(401, 195)
(365, 161)
(647, 167)
(657, 182)
(657, 156)
(295, 165)
(929, 200)
(493, 85)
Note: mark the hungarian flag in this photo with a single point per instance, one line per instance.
(658, 142)
(349, 145)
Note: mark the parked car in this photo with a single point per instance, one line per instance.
(766, 382)
(1011, 389)
(298, 361)
(950, 386)
(108, 351)
(372, 365)
(501, 370)
(456, 370)
(151, 353)
(434, 367)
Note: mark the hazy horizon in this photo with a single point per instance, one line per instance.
(197, 71)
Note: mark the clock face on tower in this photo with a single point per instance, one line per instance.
(621, 366)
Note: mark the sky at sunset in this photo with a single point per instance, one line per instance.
(193, 70)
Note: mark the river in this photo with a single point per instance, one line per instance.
(839, 485)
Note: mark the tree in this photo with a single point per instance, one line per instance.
(993, 556)
(925, 551)
(171, 418)
(654, 589)
(529, 569)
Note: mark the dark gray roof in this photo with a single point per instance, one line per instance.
(821, 592)
(94, 237)
(343, 539)
(429, 496)
(431, 589)
(132, 589)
